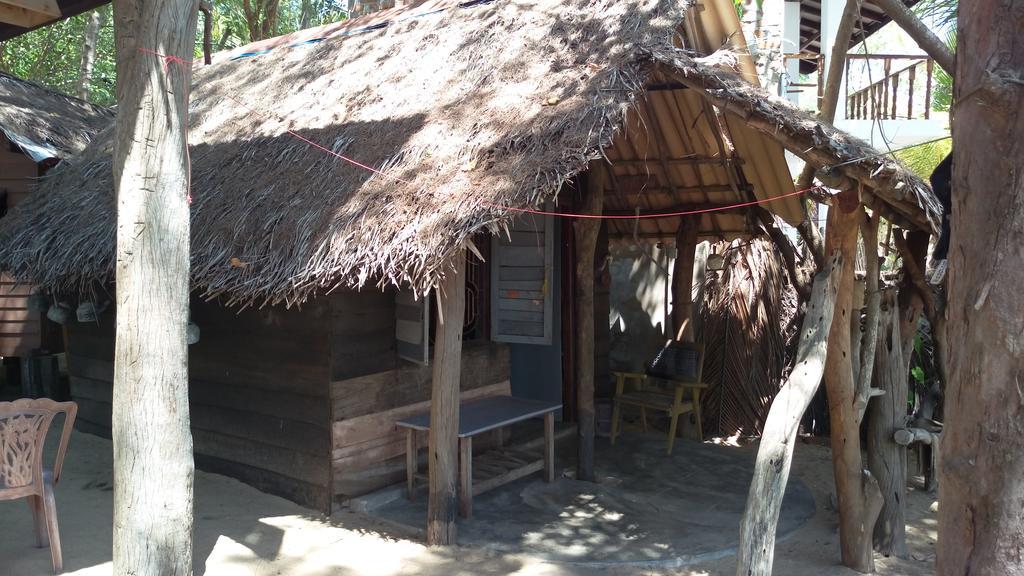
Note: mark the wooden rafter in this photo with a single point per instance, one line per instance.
(28, 13)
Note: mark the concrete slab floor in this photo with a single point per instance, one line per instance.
(647, 508)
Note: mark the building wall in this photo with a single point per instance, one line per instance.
(20, 329)
(371, 388)
(258, 394)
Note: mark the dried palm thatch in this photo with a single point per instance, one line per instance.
(466, 111)
(904, 198)
(45, 123)
(747, 309)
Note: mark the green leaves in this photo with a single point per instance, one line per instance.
(52, 55)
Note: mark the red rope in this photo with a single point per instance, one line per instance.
(655, 215)
(167, 61)
(318, 146)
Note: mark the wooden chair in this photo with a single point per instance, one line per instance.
(678, 364)
(23, 427)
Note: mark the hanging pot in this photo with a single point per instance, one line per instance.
(191, 333)
(87, 312)
(38, 302)
(58, 313)
(716, 262)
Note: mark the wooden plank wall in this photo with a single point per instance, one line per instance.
(368, 451)
(20, 330)
(258, 392)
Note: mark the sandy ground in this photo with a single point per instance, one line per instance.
(240, 531)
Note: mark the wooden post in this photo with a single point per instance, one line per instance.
(895, 90)
(910, 91)
(466, 477)
(857, 492)
(442, 465)
(930, 71)
(885, 87)
(682, 279)
(775, 453)
(887, 460)
(549, 447)
(873, 298)
(411, 463)
(587, 230)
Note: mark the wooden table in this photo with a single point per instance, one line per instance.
(493, 468)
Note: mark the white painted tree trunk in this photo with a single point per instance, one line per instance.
(92, 32)
(153, 466)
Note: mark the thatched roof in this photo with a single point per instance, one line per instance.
(466, 111)
(44, 123)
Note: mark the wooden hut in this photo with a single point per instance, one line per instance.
(39, 127)
(339, 172)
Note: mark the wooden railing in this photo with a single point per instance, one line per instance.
(897, 94)
(797, 87)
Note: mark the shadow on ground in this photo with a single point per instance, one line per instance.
(646, 507)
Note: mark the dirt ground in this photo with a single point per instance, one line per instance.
(240, 531)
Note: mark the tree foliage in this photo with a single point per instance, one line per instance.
(52, 55)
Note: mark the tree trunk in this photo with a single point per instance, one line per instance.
(443, 463)
(682, 279)
(911, 301)
(775, 453)
(856, 491)
(306, 14)
(152, 443)
(981, 487)
(920, 32)
(887, 460)
(872, 297)
(206, 7)
(587, 231)
(92, 31)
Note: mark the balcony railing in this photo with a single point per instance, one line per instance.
(899, 93)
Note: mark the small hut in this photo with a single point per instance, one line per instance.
(39, 127)
(337, 174)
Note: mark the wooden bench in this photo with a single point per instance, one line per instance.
(494, 468)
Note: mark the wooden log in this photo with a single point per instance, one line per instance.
(444, 404)
(587, 231)
(869, 231)
(682, 279)
(887, 459)
(856, 490)
(775, 453)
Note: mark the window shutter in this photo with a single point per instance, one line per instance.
(521, 275)
(412, 327)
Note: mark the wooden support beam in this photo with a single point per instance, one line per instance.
(720, 208)
(586, 232)
(775, 453)
(19, 16)
(688, 161)
(47, 7)
(872, 297)
(887, 459)
(857, 491)
(682, 279)
(631, 186)
(444, 404)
